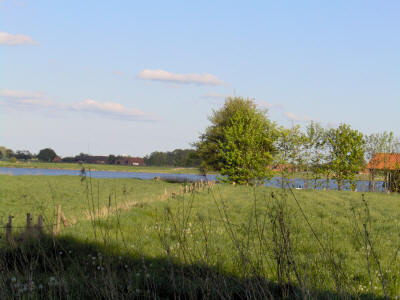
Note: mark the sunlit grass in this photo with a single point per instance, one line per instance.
(230, 229)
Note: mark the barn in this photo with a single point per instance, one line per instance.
(388, 166)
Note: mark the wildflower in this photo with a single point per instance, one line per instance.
(52, 281)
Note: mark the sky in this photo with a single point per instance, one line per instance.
(133, 77)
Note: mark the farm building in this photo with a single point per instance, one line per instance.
(388, 166)
(57, 159)
(130, 161)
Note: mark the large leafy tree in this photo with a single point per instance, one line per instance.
(346, 147)
(47, 155)
(239, 143)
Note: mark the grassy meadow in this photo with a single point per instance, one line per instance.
(130, 238)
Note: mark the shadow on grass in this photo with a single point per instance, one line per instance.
(65, 268)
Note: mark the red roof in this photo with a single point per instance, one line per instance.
(385, 161)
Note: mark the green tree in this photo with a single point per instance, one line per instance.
(290, 156)
(111, 159)
(3, 152)
(23, 154)
(239, 143)
(384, 142)
(10, 153)
(346, 153)
(315, 152)
(47, 155)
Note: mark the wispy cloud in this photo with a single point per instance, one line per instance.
(117, 73)
(25, 100)
(214, 95)
(13, 94)
(192, 78)
(269, 105)
(332, 124)
(15, 39)
(293, 117)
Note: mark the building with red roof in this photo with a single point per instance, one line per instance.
(388, 165)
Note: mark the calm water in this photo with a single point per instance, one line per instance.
(274, 182)
(103, 174)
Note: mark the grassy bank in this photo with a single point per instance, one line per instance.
(99, 167)
(146, 239)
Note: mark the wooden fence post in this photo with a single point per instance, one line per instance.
(9, 237)
(64, 220)
(28, 224)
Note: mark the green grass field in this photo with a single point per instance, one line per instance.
(146, 239)
(99, 167)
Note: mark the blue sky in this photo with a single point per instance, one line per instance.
(132, 77)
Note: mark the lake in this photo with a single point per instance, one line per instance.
(362, 185)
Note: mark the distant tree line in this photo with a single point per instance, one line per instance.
(49, 155)
(177, 158)
(46, 155)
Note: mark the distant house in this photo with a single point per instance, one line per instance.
(283, 167)
(385, 162)
(57, 159)
(130, 161)
(387, 165)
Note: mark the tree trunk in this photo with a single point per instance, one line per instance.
(370, 181)
(339, 184)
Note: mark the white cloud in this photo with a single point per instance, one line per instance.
(15, 39)
(108, 108)
(161, 75)
(35, 102)
(13, 94)
(293, 117)
(26, 100)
